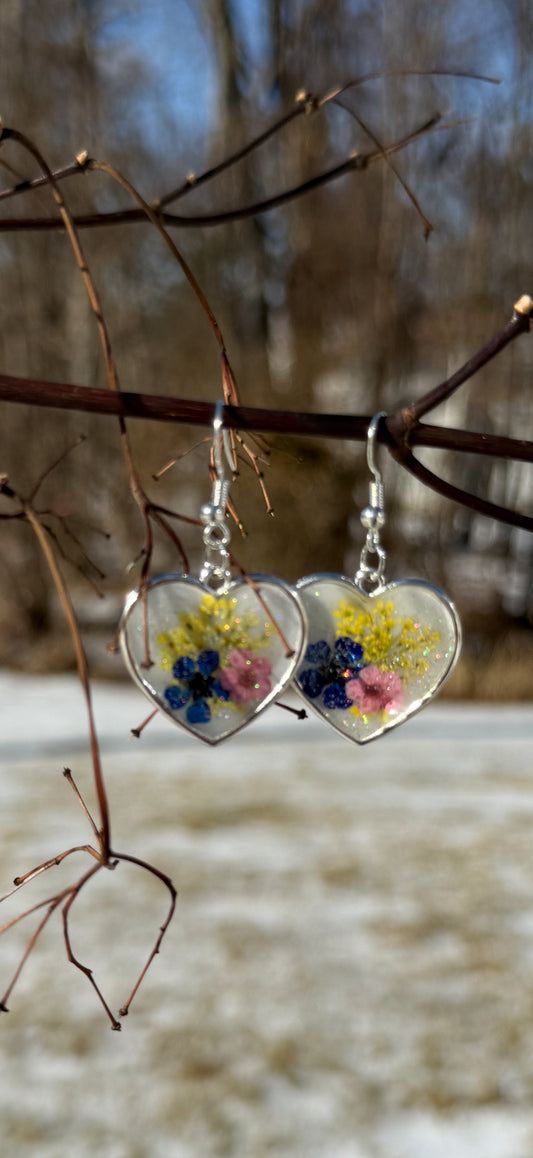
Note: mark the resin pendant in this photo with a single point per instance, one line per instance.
(373, 660)
(215, 659)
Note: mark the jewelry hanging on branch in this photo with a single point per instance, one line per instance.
(215, 652)
(378, 652)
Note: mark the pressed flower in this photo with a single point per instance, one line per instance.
(335, 667)
(216, 624)
(312, 682)
(388, 639)
(318, 652)
(335, 696)
(375, 691)
(247, 676)
(195, 682)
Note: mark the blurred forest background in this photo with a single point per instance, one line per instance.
(335, 302)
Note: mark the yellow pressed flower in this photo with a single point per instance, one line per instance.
(216, 627)
(227, 705)
(391, 642)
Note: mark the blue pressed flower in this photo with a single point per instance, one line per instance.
(198, 712)
(207, 662)
(196, 683)
(335, 697)
(312, 682)
(335, 666)
(176, 697)
(183, 668)
(220, 692)
(318, 652)
(348, 651)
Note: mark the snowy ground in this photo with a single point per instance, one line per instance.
(350, 970)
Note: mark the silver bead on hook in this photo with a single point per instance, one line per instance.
(373, 517)
(216, 571)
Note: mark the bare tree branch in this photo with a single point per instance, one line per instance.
(400, 432)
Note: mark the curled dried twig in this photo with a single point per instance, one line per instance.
(101, 852)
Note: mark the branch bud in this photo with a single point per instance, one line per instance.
(524, 307)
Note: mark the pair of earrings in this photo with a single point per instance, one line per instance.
(215, 652)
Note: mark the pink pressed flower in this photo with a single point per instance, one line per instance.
(375, 691)
(246, 677)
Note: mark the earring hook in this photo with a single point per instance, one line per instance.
(221, 440)
(370, 444)
(216, 571)
(373, 516)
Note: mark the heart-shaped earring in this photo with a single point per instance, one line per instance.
(378, 651)
(212, 654)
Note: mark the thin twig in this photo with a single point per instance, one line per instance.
(53, 862)
(428, 227)
(289, 651)
(192, 181)
(124, 1010)
(399, 73)
(103, 833)
(83, 673)
(357, 162)
(75, 892)
(33, 909)
(155, 218)
(519, 323)
(305, 103)
(32, 942)
(168, 466)
(474, 502)
(68, 222)
(140, 728)
(24, 186)
(53, 465)
(300, 713)
(72, 784)
(66, 557)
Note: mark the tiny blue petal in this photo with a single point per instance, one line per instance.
(198, 713)
(207, 662)
(175, 697)
(311, 682)
(348, 650)
(183, 668)
(335, 697)
(318, 652)
(219, 691)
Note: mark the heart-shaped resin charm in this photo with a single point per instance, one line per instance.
(375, 659)
(215, 659)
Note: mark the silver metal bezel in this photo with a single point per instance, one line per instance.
(309, 580)
(132, 601)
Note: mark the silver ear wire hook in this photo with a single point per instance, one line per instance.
(218, 419)
(376, 494)
(221, 442)
(373, 516)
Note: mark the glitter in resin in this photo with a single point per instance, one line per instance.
(375, 658)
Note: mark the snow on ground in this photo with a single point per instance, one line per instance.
(349, 973)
